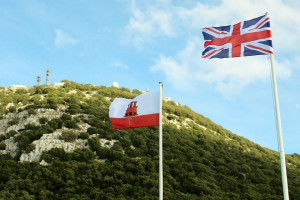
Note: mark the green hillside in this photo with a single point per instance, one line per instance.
(56, 142)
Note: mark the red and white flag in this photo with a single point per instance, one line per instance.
(141, 111)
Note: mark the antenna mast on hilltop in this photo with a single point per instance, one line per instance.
(38, 80)
(47, 76)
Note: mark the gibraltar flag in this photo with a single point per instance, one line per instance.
(141, 111)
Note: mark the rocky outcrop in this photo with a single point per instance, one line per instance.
(16, 87)
(24, 119)
(11, 147)
(48, 142)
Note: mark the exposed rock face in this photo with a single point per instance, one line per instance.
(44, 163)
(9, 105)
(16, 87)
(45, 143)
(186, 123)
(48, 142)
(58, 85)
(26, 119)
(11, 147)
(107, 143)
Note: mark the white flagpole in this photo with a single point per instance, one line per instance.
(160, 144)
(279, 132)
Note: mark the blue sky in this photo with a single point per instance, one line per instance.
(139, 43)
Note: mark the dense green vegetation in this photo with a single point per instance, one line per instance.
(199, 163)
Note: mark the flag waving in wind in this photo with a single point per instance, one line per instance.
(141, 111)
(247, 38)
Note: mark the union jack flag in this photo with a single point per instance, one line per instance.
(247, 38)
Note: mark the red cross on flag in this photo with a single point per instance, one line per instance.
(141, 111)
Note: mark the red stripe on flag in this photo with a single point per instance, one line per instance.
(135, 122)
(212, 52)
(219, 33)
(254, 47)
(260, 24)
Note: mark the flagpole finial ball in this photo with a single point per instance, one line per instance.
(115, 84)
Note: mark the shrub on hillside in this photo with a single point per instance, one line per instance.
(29, 148)
(82, 155)
(65, 117)
(36, 100)
(73, 109)
(31, 126)
(21, 91)
(14, 121)
(31, 111)
(43, 120)
(136, 91)
(2, 137)
(56, 123)
(11, 133)
(52, 103)
(46, 129)
(20, 110)
(83, 135)
(2, 111)
(70, 124)
(55, 154)
(68, 136)
(12, 109)
(76, 119)
(94, 144)
(92, 130)
(117, 147)
(2, 146)
(23, 141)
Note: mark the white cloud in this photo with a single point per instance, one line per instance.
(119, 64)
(284, 17)
(147, 23)
(62, 39)
(185, 23)
(176, 73)
(227, 75)
(167, 20)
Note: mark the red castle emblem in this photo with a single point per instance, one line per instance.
(131, 110)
